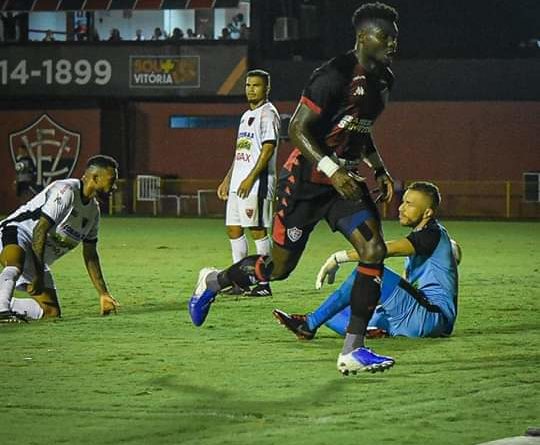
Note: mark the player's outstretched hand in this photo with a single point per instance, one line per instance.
(328, 272)
(346, 185)
(108, 304)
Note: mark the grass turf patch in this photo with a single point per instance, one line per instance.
(149, 376)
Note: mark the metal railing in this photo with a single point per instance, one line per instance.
(460, 199)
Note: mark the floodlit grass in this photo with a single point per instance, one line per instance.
(148, 376)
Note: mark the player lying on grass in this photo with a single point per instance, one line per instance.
(424, 304)
(51, 224)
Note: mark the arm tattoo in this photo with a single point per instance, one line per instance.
(39, 237)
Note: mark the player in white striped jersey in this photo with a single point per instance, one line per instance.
(249, 186)
(51, 224)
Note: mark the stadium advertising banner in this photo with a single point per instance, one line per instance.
(124, 70)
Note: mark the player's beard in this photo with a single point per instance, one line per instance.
(103, 196)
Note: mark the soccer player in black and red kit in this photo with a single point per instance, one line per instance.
(332, 130)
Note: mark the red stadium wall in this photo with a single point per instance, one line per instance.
(445, 141)
(86, 122)
(186, 153)
(457, 141)
(478, 141)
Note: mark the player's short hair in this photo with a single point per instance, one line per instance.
(260, 73)
(376, 10)
(101, 161)
(429, 189)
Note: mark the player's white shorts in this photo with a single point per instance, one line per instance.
(14, 234)
(249, 212)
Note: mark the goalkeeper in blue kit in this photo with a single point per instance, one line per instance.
(423, 304)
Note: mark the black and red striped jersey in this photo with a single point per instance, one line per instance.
(349, 99)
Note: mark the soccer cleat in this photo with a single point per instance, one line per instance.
(296, 323)
(12, 317)
(202, 298)
(373, 332)
(363, 359)
(261, 290)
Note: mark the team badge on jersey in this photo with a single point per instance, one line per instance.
(249, 213)
(250, 120)
(294, 234)
(53, 149)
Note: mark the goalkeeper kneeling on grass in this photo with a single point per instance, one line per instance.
(423, 304)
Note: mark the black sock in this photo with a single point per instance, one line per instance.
(365, 295)
(248, 271)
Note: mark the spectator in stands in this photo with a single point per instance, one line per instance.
(177, 34)
(225, 34)
(10, 26)
(81, 26)
(93, 35)
(191, 35)
(49, 36)
(235, 25)
(139, 36)
(244, 32)
(115, 35)
(158, 34)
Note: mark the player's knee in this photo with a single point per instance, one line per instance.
(51, 311)
(12, 255)
(234, 232)
(281, 272)
(49, 304)
(258, 233)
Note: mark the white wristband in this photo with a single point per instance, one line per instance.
(341, 257)
(327, 166)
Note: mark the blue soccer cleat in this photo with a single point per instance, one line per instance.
(363, 359)
(202, 298)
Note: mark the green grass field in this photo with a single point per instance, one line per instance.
(147, 376)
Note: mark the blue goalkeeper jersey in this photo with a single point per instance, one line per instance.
(433, 268)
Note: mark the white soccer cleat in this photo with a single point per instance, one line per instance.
(363, 359)
(202, 298)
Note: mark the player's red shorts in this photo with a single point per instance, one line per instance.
(305, 197)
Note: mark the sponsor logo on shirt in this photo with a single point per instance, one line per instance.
(359, 91)
(70, 231)
(243, 157)
(353, 124)
(243, 144)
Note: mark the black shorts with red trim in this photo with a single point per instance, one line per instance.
(305, 197)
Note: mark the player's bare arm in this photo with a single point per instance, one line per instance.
(303, 120)
(400, 247)
(328, 271)
(246, 185)
(93, 266)
(223, 188)
(39, 238)
(383, 178)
